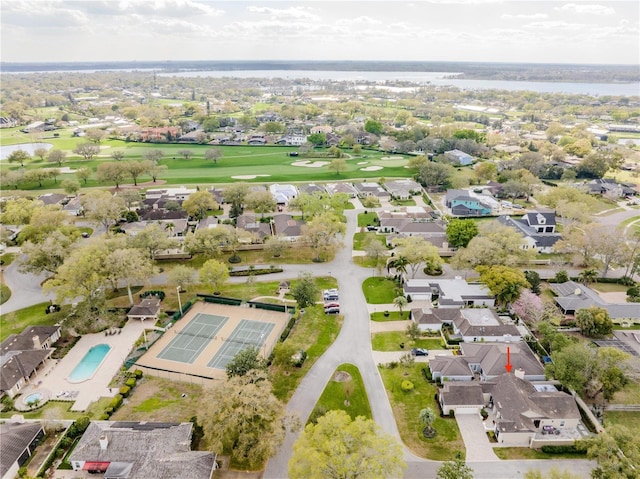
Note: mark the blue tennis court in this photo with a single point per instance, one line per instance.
(247, 333)
(193, 338)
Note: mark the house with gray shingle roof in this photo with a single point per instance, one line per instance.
(286, 227)
(572, 296)
(521, 410)
(403, 189)
(148, 308)
(141, 450)
(18, 444)
(538, 230)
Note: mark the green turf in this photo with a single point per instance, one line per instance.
(367, 219)
(360, 240)
(17, 321)
(391, 340)
(379, 290)
(334, 395)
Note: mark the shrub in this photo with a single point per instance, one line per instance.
(103, 417)
(138, 373)
(426, 373)
(155, 292)
(452, 414)
(407, 385)
(568, 449)
(116, 402)
(109, 411)
(131, 382)
(124, 391)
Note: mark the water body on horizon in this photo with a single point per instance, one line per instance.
(423, 78)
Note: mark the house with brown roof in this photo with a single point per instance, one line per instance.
(486, 361)
(23, 355)
(522, 413)
(148, 308)
(345, 188)
(286, 227)
(141, 450)
(252, 224)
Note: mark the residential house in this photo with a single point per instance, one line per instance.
(572, 296)
(6, 122)
(52, 199)
(292, 139)
(368, 188)
(402, 189)
(538, 230)
(73, 207)
(610, 187)
(312, 188)
(34, 127)
(458, 157)
(283, 193)
(462, 203)
(173, 228)
(486, 361)
(23, 355)
(521, 412)
(470, 325)
(141, 450)
(449, 293)
(252, 224)
(179, 193)
(159, 134)
(148, 308)
(345, 188)
(257, 139)
(286, 227)
(19, 441)
(326, 129)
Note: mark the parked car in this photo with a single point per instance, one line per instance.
(419, 352)
(332, 311)
(550, 430)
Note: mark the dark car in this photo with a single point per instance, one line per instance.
(550, 430)
(419, 352)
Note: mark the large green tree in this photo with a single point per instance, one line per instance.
(322, 234)
(243, 418)
(246, 360)
(418, 252)
(460, 232)
(617, 452)
(102, 207)
(199, 203)
(213, 274)
(304, 290)
(261, 201)
(455, 469)
(340, 448)
(594, 321)
(505, 283)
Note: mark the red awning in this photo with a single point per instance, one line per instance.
(95, 466)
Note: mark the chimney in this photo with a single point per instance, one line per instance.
(104, 442)
(519, 373)
(36, 342)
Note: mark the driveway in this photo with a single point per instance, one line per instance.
(475, 438)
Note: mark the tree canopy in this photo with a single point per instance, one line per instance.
(339, 448)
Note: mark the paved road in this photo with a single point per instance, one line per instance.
(26, 289)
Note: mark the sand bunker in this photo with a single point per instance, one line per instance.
(66, 169)
(310, 164)
(246, 177)
(362, 162)
(392, 158)
(371, 168)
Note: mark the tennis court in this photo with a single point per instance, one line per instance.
(247, 333)
(198, 347)
(188, 343)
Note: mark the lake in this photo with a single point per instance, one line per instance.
(424, 78)
(5, 151)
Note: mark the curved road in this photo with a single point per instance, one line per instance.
(353, 345)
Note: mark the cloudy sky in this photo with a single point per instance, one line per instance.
(547, 31)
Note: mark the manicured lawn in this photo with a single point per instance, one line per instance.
(630, 419)
(406, 409)
(410, 202)
(609, 287)
(367, 219)
(380, 290)
(334, 396)
(62, 410)
(509, 453)
(7, 258)
(314, 332)
(5, 293)
(361, 239)
(390, 341)
(393, 316)
(15, 322)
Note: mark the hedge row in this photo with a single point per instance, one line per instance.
(254, 272)
(123, 392)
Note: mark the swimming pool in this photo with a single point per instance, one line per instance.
(89, 364)
(32, 399)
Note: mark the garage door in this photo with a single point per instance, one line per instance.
(467, 410)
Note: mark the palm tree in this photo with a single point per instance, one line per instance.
(427, 418)
(588, 276)
(400, 302)
(400, 264)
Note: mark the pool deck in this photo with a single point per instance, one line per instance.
(52, 383)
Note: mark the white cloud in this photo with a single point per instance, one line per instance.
(42, 14)
(557, 25)
(171, 8)
(298, 13)
(532, 16)
(586, 9)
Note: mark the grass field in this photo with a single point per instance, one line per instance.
(334, 396)
(630, 394)
(379, 290)
(15, 322)
(630, 419)
(514, 453)
(360, 240)
(390, 341)
(254, 163)
(406, 409)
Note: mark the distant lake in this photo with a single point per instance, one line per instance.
(5, 151)
(424, 78)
